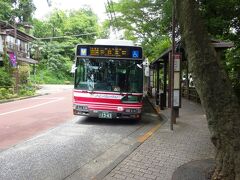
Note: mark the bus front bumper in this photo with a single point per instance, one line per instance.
(107, 114)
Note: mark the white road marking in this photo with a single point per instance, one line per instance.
(45, 98)
(30, 107)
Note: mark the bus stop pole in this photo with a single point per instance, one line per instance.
(173, 115)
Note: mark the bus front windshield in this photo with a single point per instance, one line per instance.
(109, 75)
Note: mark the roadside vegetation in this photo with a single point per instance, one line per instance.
(58, 35)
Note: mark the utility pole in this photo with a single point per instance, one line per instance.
(16, 56)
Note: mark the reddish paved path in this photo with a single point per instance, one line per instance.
(23, 119)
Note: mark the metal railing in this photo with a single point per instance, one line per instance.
(191, 94)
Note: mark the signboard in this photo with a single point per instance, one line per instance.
(101, 51)
(151, 78)
(12, 58)
(176, 98)
(176, 63)
(176, 84)
(177, 80)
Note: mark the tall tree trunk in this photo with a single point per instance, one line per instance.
(215, 91)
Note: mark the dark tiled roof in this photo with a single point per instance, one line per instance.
(5, 26)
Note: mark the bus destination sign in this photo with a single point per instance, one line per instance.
(101, 51)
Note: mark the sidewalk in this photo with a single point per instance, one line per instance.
(166, 150)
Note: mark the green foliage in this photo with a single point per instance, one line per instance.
(142, 17)
(56, 60)
(56, 55)
(156, 47)
(5, 78)
(233, 68)
(48, 77)
(41, 28)
(221, 17)
(6, 10)
(22, 9)
(27, 90)
(144, 21)
(6, 93)
(24, 74)
(79, 24)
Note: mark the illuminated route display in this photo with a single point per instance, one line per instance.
(101, 51)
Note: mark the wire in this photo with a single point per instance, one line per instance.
(59, 37)
(112, 16)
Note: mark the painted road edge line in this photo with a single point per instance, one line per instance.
(144, 137)
(30, 107)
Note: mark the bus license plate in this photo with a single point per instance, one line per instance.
(106, 115)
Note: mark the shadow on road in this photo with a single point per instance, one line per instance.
(110, 122)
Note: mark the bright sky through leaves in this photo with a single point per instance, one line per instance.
(98, 7)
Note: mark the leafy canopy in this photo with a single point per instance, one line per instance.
(19, 10)
(143, 21)
(59, 34)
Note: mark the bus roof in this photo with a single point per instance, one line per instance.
(114, 42)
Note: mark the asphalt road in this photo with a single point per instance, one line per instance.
(20, 120)
(75, 148)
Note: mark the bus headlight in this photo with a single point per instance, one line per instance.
(80, 107)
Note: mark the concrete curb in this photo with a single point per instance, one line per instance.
(158, 111)
(123, 156)
(21, 98)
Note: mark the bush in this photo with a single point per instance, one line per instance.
(26, 90)
(7, 93)
(5, 78)
(50, 77)
(24, 73)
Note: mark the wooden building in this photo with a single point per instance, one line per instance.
(9, 36)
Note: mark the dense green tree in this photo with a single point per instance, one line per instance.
(5, 11)
(145, 21)
(60, 32)
(56, 22)
(232, 66)
(41, 28)
(221, 17)
(18, 10)
(55, 62)
(80, 23)
(24, 10)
